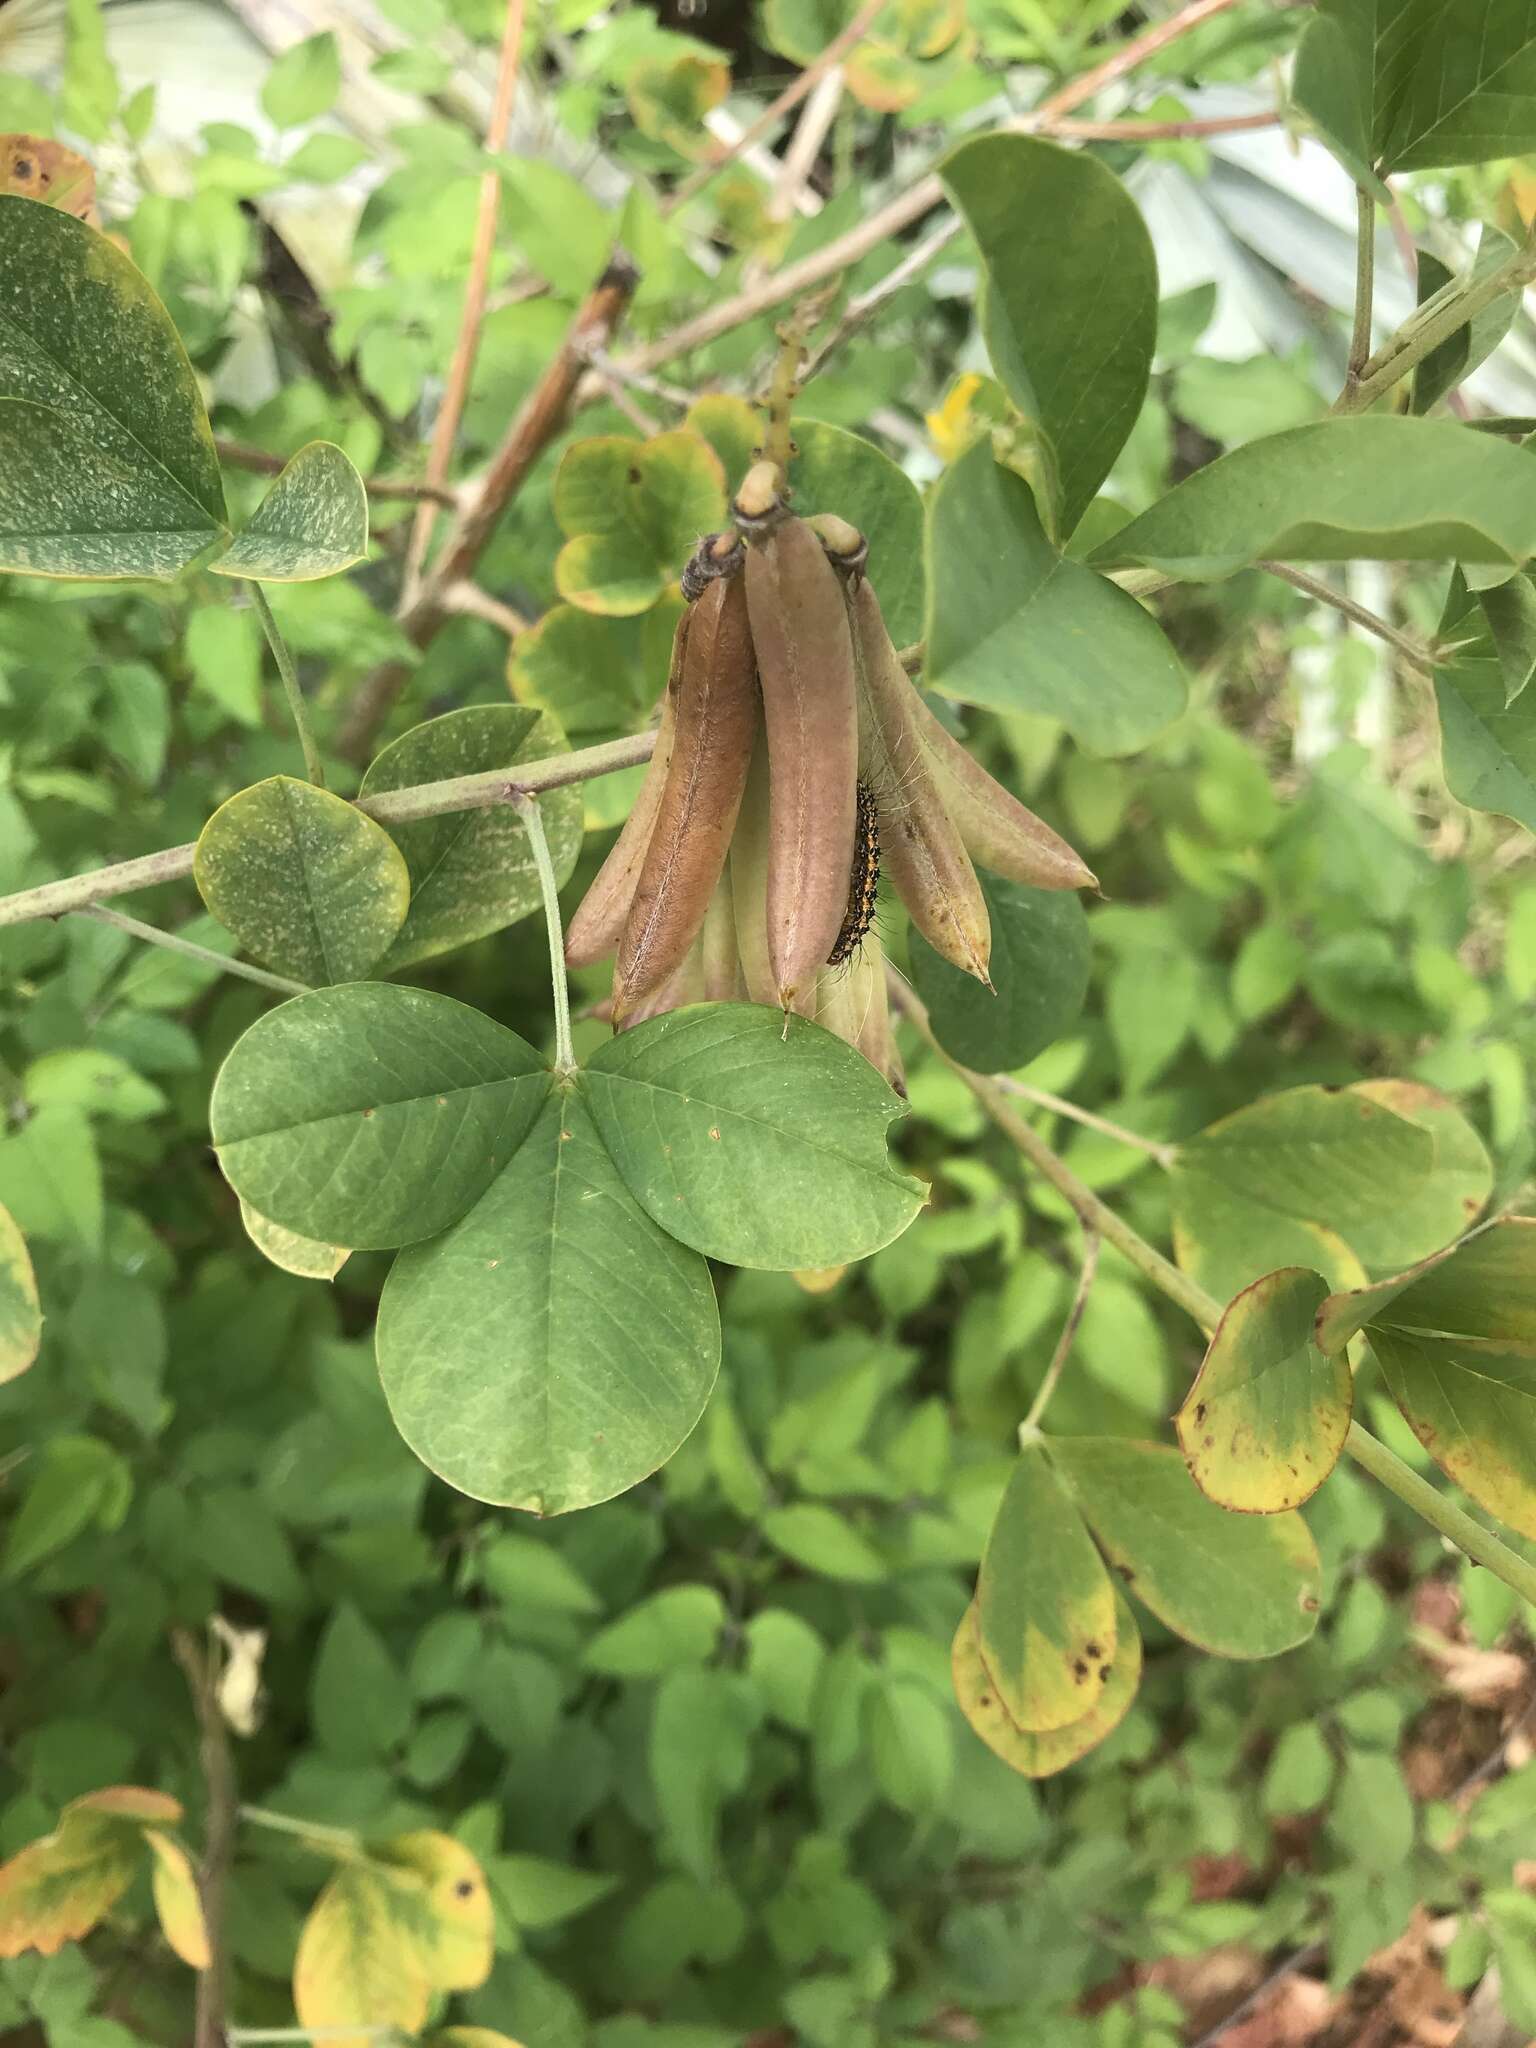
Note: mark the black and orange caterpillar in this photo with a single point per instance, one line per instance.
(863, 879)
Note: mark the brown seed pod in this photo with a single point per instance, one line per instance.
(805, 661)
(925, 855)
(715, 717)
(596, 928)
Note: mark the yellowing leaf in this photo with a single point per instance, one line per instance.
(58, 1888)
(1033, 1754)
(473, 2037)
(21, 1316)
(352, 1967)
(306, 1257)
(446, 1907)
(1045, 1607)
(176, 1899)
(1267, 1417)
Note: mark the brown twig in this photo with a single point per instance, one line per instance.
(446, 426)
(775, 111)
(541, 416)
(1158, 131)
(222, 1800)
(1079, 90)
(907, 207)
(261, 462)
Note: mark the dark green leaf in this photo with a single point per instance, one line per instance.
(1015, 626)
(104, 443)
(1460, 353)
(372, 1115)
(754, 1141)
(471, 871)
(836, 471)
(554, 1346)
(1071, 316)
(1039, 971)
(1392, 488)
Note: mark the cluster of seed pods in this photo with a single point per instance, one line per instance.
(795, 762)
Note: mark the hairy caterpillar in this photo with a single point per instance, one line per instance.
(863, 879)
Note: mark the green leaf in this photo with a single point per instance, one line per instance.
(370, 1115)
(539, 1893)
(699, 1753)
(1032, 1754)
(597, 676)
(1487, 718)
(471, 872)
(1300, 1773)
(92, 1079)
(1017, 627)
(303, 82)
(50, 1177)
(1371, 1812)
(835, 471)
(359, 1706)
(1380, 486)
(634, 511)
(104, 443)
(1417, 85)
(756, 1140)
(1071, 318)
(679, 1625)
(313, 522)
(1045, 1608)
(1265, 1421)
(1461, 352)
(554, 1347)
(21, 1315)
(911, 1748)
(825, 1542)
(1456, 1341)
(70, 1483)
(1293, 1177)
(1430, 1210)
(1238, 1585)
(304, 881)
(135, 718)
(1039, 971)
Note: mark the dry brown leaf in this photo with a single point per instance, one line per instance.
(37, 168)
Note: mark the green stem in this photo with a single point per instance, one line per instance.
(1365, 287)
(189, 950)
(290, 675)
(1442, 1513)
(1029, 1428)
(1453, 1522)
(1413, 651)
(327, 1840)
(390, 807)
(1424, 331)
(527, 808)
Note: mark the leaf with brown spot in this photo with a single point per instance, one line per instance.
(1239, 1585)
(1045, 1608)
(1456, 1341)
(35, 167)
(1030, 1752)
(446, 1909)
(1266, 1419)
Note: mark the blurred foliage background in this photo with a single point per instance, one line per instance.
(703, 1737)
